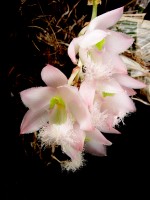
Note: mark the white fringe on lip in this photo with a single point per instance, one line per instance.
(98, 117)
(74, 164)
(63, 135)
(57, 134)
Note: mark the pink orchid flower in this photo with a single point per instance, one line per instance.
(53, 111)
(109, 100)
(61, 117)
(100, 46)
(53, 102)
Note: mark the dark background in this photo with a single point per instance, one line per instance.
(124, 173)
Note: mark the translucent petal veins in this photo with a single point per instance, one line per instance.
(100, 44)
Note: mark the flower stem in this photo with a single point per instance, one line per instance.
(94, 9)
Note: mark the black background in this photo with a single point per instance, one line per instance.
(124, 173)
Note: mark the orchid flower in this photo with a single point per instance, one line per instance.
(99, 47)
(60, 115)
(50, 109)
(109, 100)
(53, 102)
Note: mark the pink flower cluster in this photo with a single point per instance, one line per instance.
(74, 113)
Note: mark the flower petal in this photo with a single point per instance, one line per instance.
(70, 151)
(106, 20)
(76, 106)
(115, 62)
(73, 49)
(84, 57)
(53, 77)
(78, 138)
(96, 143)
(95, 148)
(113, 94)
(97, 136)
(129, 91)
(92, 38)
(109, 86)
(128, 81)
(87, 88)
(108, 129)
(36, 98)
(118, 42)
(33, 121)
(122, 104)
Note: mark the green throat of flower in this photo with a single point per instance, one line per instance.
(58, 110)
(87, 139)
(107, 94)
(100, 44)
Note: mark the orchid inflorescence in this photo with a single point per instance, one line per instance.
(73, 113)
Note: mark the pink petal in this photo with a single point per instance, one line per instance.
(108, 129)
(118, 42)
(109, 86)
(96, 56)
(53, 77)
(84, 57)
(92, 38)
(33, 121)
(73, 49)
(106, 20)
(114, 61)
(87, 88)
(95, 148)
(107, 125)
(122, 104)
(70, 151)
(128, 81)
(76, 106)
(97, 136)
(36, 98)
(78, 138)
(129, 91)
